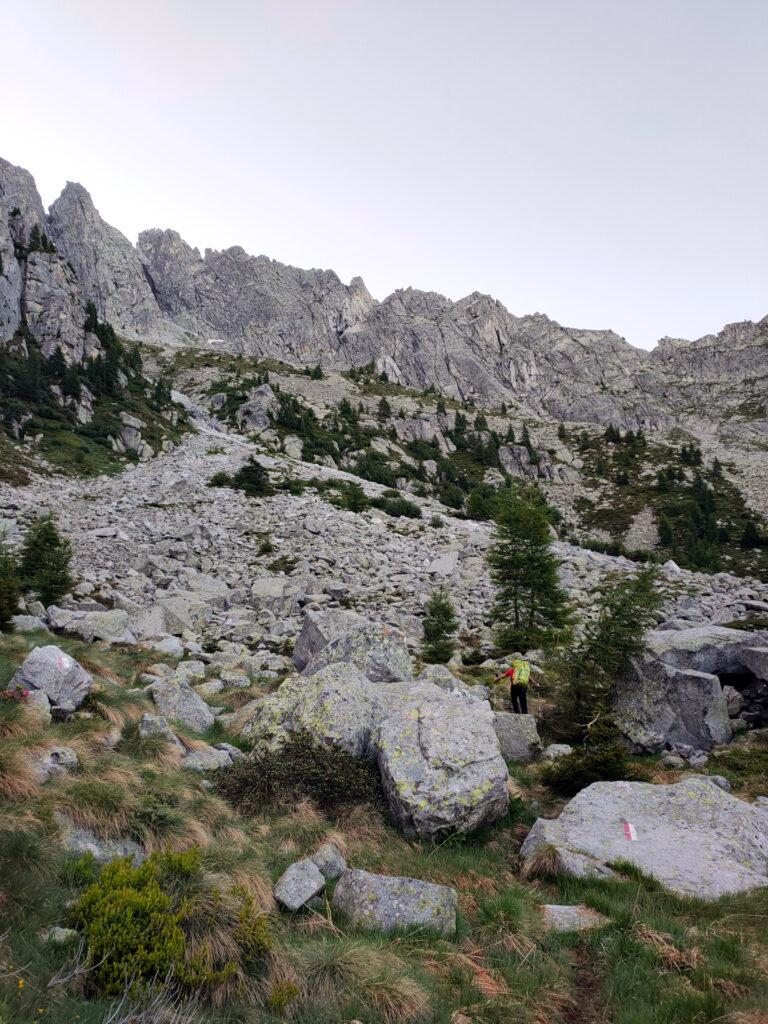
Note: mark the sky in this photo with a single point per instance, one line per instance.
(601, 161)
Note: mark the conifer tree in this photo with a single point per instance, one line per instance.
(9, 585)
(440, 625)
(625, 611)
(530, 608)
(45, 560)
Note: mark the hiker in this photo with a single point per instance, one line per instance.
(519, 674)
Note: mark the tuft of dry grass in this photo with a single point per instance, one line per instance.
(553, 1006)
(544, 863)
(671, 957)
(18, 777)
(398, 1000)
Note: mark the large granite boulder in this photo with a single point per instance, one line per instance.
(658, 706)
(336, 706)
(317, 631)
(674, 693)
(48, 669)
(386, 904)
(693, 837)
(437, 752)
(518, 737)
(439, 760)
(708, 648)
(378, 650)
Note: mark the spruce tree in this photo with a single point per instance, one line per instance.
(530, 608)
(440, 625)
(9, 585)
(45, 559)
(385, 409)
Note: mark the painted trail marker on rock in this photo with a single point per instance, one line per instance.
(630, 832)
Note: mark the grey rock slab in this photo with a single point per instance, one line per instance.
(518, 737)
(555, 750)
(384, 903)
(298, 884)
(53, 762)
(83, 840)
(337, 706)
(28, 624)
(691, 836)
(56, 674)
(206, 759)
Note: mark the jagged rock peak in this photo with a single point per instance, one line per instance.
(107, 265)
(19, 192)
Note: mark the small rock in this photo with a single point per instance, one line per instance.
(721, 781)
(555, 750)
(299, 883)
(559, 918)
(330, 861)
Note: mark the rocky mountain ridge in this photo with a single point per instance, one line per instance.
(163, 290)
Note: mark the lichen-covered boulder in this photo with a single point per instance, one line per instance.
(378, 650)
(56, 674)
(518, 737)
(176, 700)
(439, 759)
(693, 837)
(383, 903)
(113, 625)
(317, 631)
(657, 705)
(335, 706)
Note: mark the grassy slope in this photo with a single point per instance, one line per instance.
(660, 960)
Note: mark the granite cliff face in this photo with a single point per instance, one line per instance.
(163, 290)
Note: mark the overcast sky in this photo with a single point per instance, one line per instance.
(602, 161)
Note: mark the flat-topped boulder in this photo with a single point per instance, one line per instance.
(693, 837)
(386, 904)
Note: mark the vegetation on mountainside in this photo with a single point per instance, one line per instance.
(439, 626)
(703, 521)
(30, 382)
(206, 898)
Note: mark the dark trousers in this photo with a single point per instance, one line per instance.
(519, 697)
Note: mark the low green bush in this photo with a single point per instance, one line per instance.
(162, 924)
(328, 776)
(604, 759)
